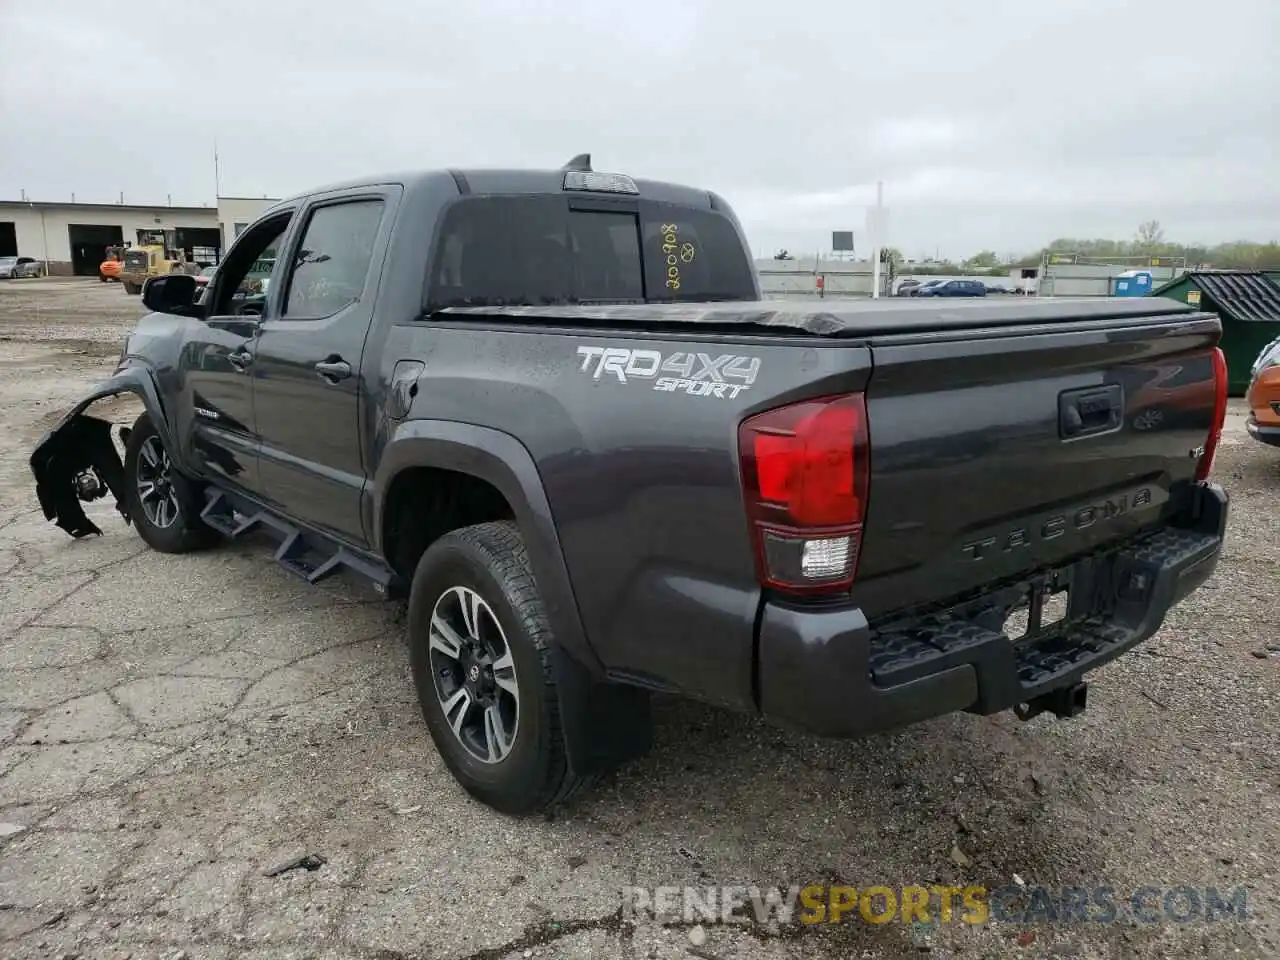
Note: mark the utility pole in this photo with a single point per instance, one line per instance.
(877, 241)
(217, 172)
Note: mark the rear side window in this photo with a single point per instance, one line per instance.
(541, 251)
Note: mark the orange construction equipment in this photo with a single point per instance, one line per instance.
(110, 268)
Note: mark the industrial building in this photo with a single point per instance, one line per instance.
(72, 238)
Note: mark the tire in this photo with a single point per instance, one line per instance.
(489, 561)
(174, 527)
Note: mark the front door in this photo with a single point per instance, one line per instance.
(219, 434)
(307, 376)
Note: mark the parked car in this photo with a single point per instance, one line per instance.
(551, 409)
(18, 268)
(915, 288)
(1264, 396)
(953, 288)
(905, 286)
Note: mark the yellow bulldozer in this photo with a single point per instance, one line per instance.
(155, 255)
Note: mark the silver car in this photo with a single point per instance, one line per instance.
(16, 268)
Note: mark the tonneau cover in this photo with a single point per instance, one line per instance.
(849, 318)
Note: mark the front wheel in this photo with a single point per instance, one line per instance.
(479, 644)
(161, 502)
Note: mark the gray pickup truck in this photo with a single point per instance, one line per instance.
(551, 408)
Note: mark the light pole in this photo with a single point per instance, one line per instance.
(877, 241)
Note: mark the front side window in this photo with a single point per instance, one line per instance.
(332, 259)
(244, 273)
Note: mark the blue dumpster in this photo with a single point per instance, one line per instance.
(1131, 283)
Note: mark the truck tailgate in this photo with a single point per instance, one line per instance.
(999, 451)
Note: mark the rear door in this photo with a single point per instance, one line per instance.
(306, 366)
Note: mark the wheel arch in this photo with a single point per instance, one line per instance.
(79, 441)
(501, 462)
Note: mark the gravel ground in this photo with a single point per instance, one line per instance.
(172, 727)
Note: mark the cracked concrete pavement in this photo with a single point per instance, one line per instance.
(172, 727)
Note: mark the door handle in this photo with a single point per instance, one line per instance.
(240, 359)
(333, 369)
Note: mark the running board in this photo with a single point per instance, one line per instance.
(308, 554)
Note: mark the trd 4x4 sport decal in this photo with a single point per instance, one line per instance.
(697, 374)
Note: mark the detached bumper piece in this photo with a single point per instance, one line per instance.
(77, 462)
(833, 674)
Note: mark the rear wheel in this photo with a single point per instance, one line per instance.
(162, 503)
(479, 646)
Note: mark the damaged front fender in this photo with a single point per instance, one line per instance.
(77, 460)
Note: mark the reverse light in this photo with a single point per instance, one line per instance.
(805, 473)
(1205, 465)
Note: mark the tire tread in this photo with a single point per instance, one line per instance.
(503, 550)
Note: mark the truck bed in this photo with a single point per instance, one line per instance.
(633, 415)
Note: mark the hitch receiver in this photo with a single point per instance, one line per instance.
(1063, 703)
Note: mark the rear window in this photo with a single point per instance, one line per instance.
(541, 251)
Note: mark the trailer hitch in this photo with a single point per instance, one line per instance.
(1063, 703)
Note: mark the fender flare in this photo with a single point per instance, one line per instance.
(603, 724)
(77, 442)
(136, 378)
(501, 460)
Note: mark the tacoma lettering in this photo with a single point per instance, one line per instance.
(1057, 525)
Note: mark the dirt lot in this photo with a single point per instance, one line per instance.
(172, 727)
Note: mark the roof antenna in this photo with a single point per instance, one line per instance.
(581, 162)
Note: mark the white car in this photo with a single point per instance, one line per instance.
(14, 268)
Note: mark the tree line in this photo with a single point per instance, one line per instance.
(1148, 241)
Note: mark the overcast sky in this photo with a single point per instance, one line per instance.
(993, 124)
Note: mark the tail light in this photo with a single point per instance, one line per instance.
(1205, 466)
(805, 473)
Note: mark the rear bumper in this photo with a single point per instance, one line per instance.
(829, 672)
(1263, 433)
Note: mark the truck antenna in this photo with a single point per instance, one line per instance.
(581, 162)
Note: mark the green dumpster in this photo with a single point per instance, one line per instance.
(1248, 301)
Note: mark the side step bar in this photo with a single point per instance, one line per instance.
(308, 554)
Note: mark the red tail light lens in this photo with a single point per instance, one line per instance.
(805, 473)
(1205, 465)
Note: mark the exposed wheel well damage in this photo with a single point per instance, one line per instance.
(78, 461)
(425, 503)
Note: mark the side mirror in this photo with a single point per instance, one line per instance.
(171, 293)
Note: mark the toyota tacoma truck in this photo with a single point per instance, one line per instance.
(552, 410)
